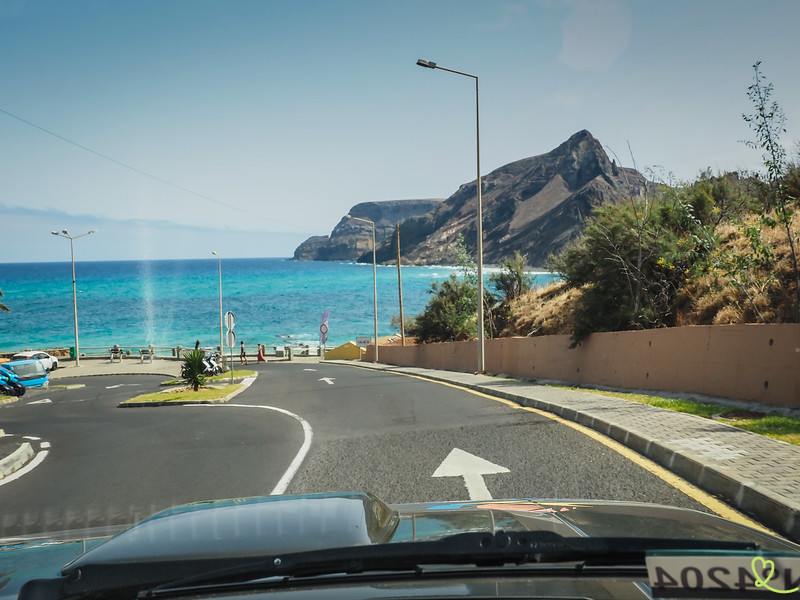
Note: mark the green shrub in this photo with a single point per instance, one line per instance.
(193, 369)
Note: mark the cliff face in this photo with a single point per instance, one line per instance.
(535, 205)
(351, 239)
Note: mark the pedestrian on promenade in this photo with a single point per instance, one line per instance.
(261, 353)
(242, 356)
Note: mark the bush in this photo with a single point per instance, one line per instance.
(193, 369)
(633, 259)
(451, 313)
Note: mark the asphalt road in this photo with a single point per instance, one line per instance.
(373, 431)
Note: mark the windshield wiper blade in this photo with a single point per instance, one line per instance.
(479, 548)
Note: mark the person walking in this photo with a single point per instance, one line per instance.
(242, 355)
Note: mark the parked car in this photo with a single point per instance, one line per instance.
(50, 362)
(352, 545)
(31, 373)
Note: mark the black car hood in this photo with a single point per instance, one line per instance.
(280, 524)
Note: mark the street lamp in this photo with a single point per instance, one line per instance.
(374, 283)
(432, 65)
(219, 262)
(65, 234)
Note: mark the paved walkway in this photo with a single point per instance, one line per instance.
(758, 475)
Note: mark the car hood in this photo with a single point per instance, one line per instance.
(233, 528)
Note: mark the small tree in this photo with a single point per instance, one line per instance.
(451, 313)
(509, 284)
(193, 368)
(768, 124)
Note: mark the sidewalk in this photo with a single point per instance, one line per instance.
(757, 475)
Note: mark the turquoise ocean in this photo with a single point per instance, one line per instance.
(167, 303)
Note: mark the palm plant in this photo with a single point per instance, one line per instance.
(193, 369)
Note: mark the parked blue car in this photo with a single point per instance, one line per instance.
(30, 373)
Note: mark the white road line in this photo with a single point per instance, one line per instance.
(37, 460)
(308, 434)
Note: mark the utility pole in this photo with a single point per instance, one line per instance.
(400, 287)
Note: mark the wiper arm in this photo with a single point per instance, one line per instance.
(478, 548)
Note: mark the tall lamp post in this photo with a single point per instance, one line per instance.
(219, 263)
(432, 65)
(374, 284)
(65, 234)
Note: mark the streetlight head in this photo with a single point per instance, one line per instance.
(65, 232)
(429, 64)
(55, 233)
(92, 231)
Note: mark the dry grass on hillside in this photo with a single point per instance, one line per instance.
(543, 311)
(713, 299)
(709, 300)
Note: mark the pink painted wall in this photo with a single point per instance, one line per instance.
(744, 362)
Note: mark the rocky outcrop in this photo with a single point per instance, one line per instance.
(352, 239)
(535, 205)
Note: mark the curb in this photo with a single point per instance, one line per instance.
(16, 460)
(246, 383)
(746, 496)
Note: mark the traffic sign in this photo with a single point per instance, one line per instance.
(230, 338)
(323, 329)
(230, 321)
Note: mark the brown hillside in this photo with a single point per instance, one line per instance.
(711, 299)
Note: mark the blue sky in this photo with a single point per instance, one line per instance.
(186, 126)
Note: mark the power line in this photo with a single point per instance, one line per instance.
(146, 174)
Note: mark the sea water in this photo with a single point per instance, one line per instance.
(166, 303)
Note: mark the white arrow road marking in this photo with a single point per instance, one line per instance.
(328, 380)
(472, 468)
(43, 401)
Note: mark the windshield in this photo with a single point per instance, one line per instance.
(407, 264)
(28, 369)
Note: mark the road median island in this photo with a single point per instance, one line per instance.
(184, 395)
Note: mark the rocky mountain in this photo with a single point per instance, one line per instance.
(535, 205)
(351, 239)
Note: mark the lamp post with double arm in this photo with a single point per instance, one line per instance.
(432, 65)
(65, 234)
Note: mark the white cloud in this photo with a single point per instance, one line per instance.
(595, 34)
